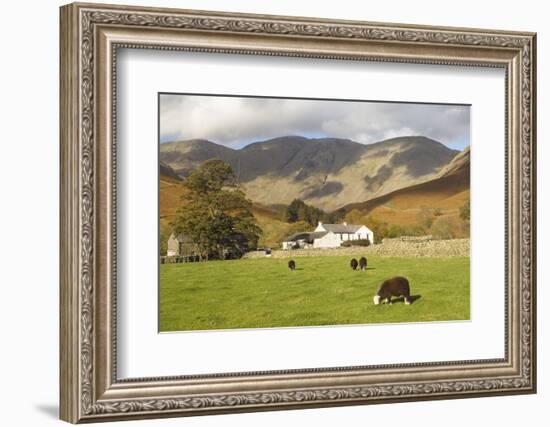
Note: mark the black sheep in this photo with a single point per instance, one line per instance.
(291, 265)
(354, 264)
(394, 287)
(363, 263)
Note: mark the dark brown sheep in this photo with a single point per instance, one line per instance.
(291, 265)
(394, 287)
(363, 263)
(354, 264)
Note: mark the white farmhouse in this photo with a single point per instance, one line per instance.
(336, 234)
(328, 236)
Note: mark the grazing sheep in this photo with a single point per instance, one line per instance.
(292, 265)
(363, 263)
(396, 286)
(354, 264)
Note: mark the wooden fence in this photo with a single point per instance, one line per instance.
(180, 259)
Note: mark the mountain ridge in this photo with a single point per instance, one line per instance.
(328, 173)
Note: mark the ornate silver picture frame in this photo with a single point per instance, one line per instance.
(91, 390)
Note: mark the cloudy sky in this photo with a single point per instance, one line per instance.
(239, 121)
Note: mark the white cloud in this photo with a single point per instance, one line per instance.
(237, 121)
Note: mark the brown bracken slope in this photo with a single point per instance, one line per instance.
(444, 196)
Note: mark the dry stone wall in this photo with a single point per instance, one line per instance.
(399, 247)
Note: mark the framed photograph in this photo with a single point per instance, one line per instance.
(267, 212)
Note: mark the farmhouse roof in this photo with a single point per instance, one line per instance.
(308, 236)
(342, 228)
(317, 235)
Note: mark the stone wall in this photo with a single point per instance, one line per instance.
(423, 246)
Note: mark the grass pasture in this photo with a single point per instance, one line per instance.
(261, 293)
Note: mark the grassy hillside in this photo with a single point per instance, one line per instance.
(432, 207)
(263, 293)
(171, 192)
(416, 213)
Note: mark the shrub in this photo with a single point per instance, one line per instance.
(395, 231)
(465, 211)
(379, 228)
(360, 242)
(444, 227)
(164, 235)
(415, 230)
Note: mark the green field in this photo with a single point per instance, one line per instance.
(261, 293)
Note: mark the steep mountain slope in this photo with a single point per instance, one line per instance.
(167, 171)
(452, 180)
(440, 199)
(327, 172)
(184, 156)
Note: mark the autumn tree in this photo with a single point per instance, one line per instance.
(379, 228)
(465, 211)
(355, 216)
(217, 215)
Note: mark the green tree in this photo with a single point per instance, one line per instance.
(217, 215)
(164, 234)
(465, 211)
(292, 211)
(298, 210)
(334, 217)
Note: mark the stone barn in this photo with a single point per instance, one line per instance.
(181, 245)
